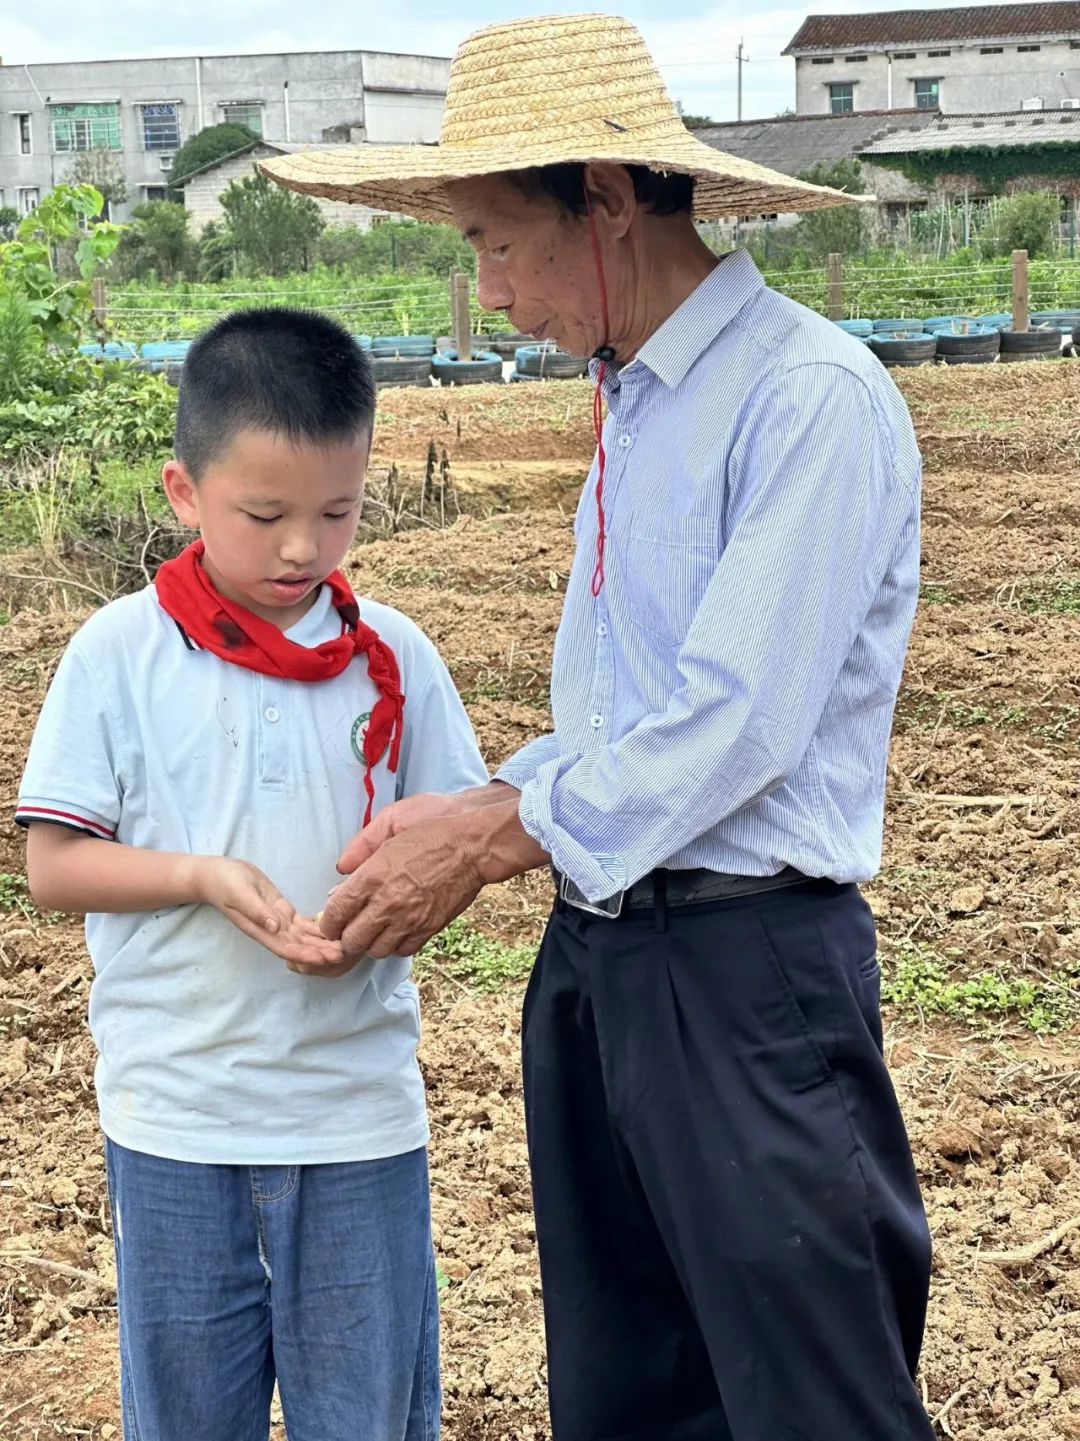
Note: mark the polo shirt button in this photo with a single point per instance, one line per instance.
(626, 441)
(596, 721)
(601, 629)
(272, 714)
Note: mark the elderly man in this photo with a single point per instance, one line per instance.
(731, 1236)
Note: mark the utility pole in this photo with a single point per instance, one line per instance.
(741, 59)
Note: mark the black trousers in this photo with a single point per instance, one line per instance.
(732, 1242)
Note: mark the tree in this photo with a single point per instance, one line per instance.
(697, 122)
(101, 169)
(158, 243)
(274, 230)
(209, 145)
(840, 230)
(1022, 222)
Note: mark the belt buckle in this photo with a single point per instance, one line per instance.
(609, 909)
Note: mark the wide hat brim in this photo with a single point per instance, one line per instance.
(549, 90)
(412, 179)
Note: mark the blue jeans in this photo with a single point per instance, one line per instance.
(319, 1277)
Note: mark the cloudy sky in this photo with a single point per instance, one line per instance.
(695, 41)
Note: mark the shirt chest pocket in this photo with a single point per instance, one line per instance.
(669, 563)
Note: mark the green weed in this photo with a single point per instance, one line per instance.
(479, 962)
(1059, 597)
(933, 594)
(916, 980)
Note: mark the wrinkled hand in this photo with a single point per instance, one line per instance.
(392, 821)
(254, 905)
(417, 880)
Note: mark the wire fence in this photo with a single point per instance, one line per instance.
(421, 305)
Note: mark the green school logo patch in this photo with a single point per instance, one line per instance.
(359, 731)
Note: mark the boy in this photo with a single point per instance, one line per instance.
(240, 719)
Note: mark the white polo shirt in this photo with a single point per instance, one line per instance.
(211, 1049)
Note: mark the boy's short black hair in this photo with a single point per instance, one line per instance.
(660, 194)
(293, 372)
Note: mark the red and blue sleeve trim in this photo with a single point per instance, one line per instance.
(25, 815)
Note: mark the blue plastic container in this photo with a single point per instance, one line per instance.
(166, 352)
(859, 328)
(111, 350)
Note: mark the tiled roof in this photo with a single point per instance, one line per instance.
(965, 132)
(794, 144)
(900, 28)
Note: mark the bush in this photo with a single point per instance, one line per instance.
(340, 245)
(840, 230)
(1021, 222)
(273, 229)
(158, 245)
(20, 345)
(100, 409)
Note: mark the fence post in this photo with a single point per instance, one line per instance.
(835, 274)
(1021, 294)
(459, 309)
(100, 302)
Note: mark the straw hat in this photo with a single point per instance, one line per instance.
(545, 92)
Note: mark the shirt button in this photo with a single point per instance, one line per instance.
(596, 721)
(272, 714)
(626, 441)
(601, 629)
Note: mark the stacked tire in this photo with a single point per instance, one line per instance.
(402, 359)
(904, 351)
(547, 362)
(507, 344)
(978, 345)
(1043, 343)
(483, 368)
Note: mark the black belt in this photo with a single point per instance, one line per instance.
(674, 888)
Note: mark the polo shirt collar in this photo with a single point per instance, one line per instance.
(684, 337)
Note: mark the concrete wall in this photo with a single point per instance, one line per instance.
(971, 82)
(380, 97)
(202, 195)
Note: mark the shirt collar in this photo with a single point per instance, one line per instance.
(685, 336)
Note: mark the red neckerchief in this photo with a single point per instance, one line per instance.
(228, 630)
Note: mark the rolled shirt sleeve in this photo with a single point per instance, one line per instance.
(815, 514)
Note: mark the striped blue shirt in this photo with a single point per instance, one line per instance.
(726, 701)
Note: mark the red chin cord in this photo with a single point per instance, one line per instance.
(604, 354)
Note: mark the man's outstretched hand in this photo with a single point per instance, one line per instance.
(422, 862)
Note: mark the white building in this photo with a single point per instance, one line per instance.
(141, 111)
(976, 60)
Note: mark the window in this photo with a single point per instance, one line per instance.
(249, 114)
(992, 50)
(905, 55)
(161, 126)
(1029, 49)
(86, 127)
(928, 94)
(155, 192)
(26, 142)
(27, 198)
(842, 99)
(939, 54)
(856, 59)
(822, 60)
